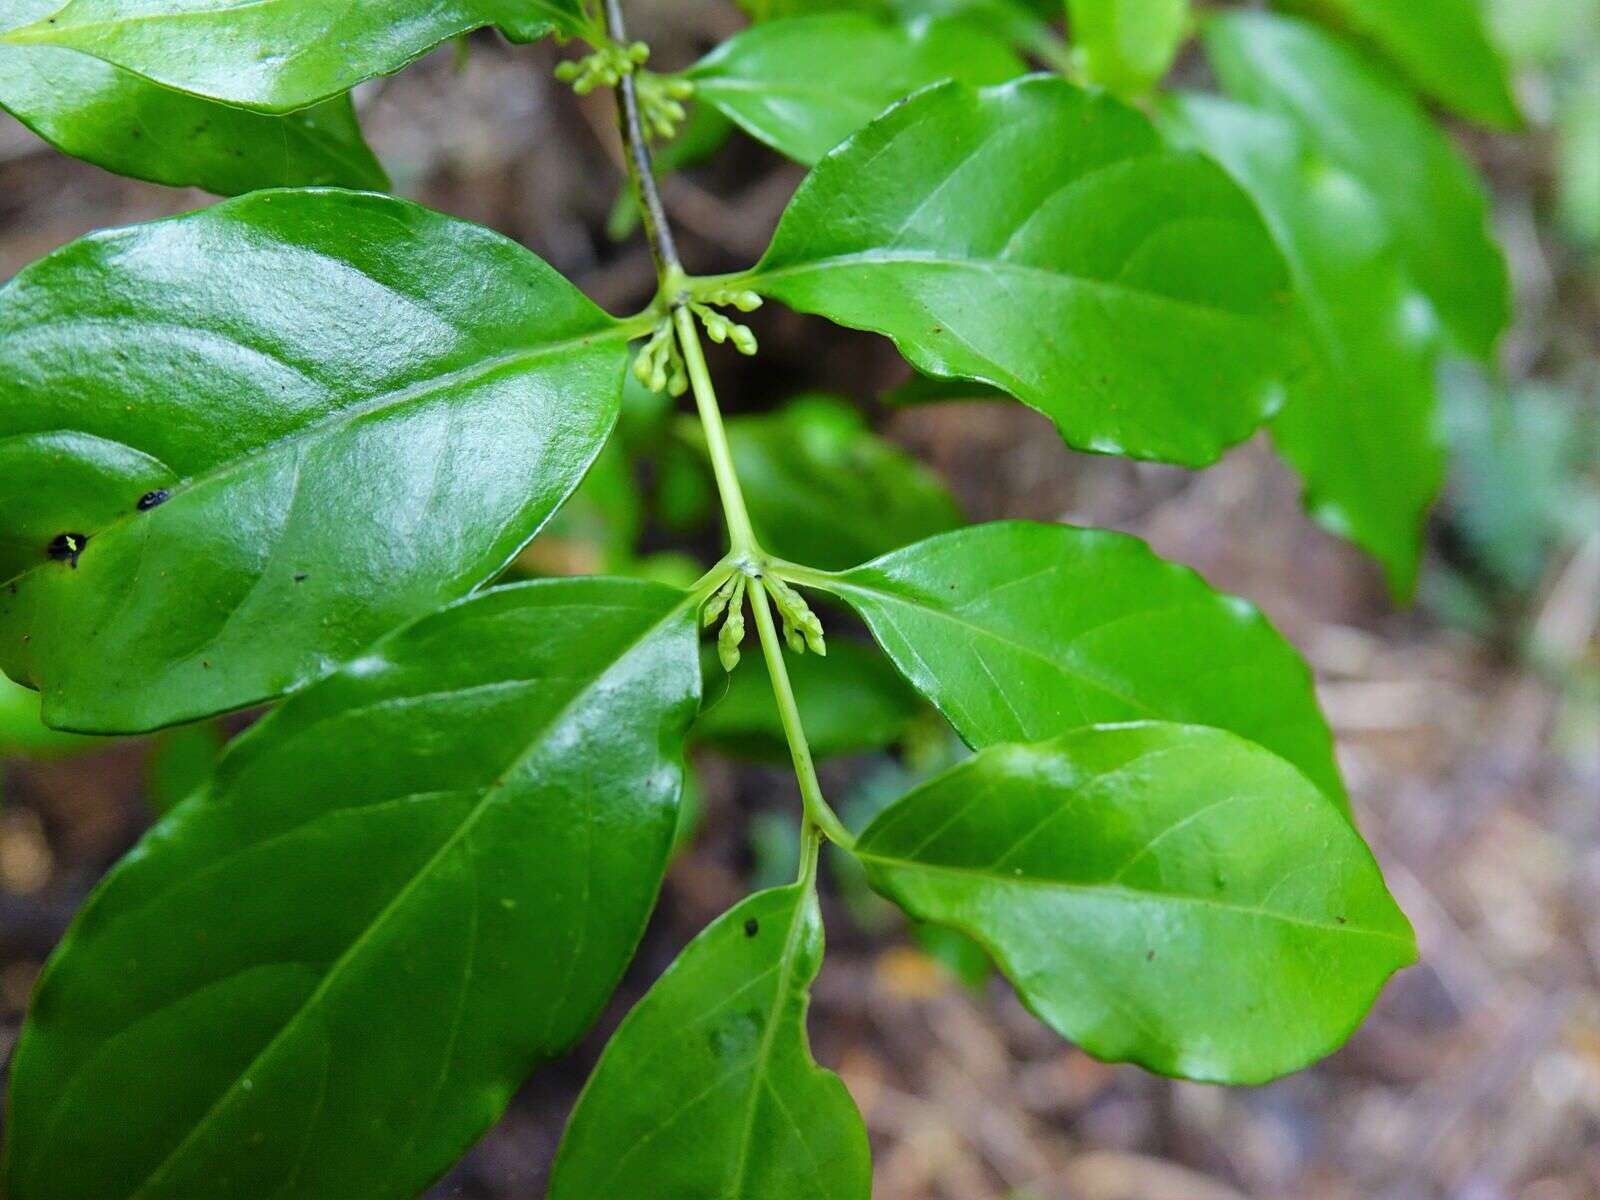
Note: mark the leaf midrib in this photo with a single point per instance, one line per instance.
(395, 398)
(1126, 894)
(758, 277)
(886, 597)
(491, 794)
(758, 1074)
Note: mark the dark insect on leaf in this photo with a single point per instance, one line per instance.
(66, 547)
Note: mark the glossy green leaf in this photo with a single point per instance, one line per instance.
(825, 491)
(125, 124)
(1361, 425)
(1366, 124)
(708, 1089)
(1126, 45)
(273, 430)
(805, 84)
(1441, 45)
(1045, 240)
(851, 700)
(280, 55)
(325, 974)
(1161, 894)
(1018, 631)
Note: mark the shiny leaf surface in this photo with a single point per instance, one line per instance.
(325, 973)
(709, 1088)
(1366, 124)
(1161, 894)
(826, 491)
(1045, 240)
(1361, 425)
(126, 124)
(247, 441)
(280, 55)
(1018, 632)
(805, 84)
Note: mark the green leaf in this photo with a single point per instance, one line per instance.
(1126, 45)
(325, 973)
(826, 491)
(273, 430)
(709, 1089)
(1044, 240)
(1360, 427)
(1367, 125)
(125, 124)
(24, 735)
(804, 84)
(1441, 45)
(1018, 631)
(850, 701)
(280, 55)
(1161, 894)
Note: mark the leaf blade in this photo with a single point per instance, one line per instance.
(1126, 45)
(336, 461)
(804, 84)
(116, 120)
(280, 55)
(444, 773)
(1442, 45)
(1373, 379)
(1018, 631)
(1118, 877)
(1368, 126)
(748, 1142)
(1044, 240)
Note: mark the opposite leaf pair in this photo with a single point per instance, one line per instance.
(505, 772)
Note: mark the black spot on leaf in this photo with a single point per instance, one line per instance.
(752, 927)
(66, 547)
